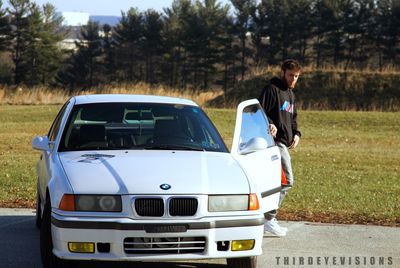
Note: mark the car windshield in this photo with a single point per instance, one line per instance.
(118, 126)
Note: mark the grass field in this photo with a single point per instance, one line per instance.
(346, 166)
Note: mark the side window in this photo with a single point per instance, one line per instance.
(56, 123)
(254, 124)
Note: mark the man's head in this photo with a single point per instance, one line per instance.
(290, 72)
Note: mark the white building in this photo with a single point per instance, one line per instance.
(75, 18)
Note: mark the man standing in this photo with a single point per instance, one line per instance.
(278, 102)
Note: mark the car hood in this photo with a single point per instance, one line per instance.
(144, 171)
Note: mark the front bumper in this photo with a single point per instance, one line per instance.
(158, 240)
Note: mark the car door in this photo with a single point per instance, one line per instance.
(255, 150)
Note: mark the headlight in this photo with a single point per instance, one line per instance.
(96, 203)
(228, 203)
(109, 203)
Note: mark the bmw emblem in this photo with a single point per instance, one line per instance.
(165, 186)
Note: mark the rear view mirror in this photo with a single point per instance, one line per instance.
(253, 145)
(41, 143)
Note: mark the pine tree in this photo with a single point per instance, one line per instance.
(19, 12)
(194, 42)
(389, 21)
(301, 26)
(30, 57)
(229, 55)
(213, 16)
(90, 51)
(51, 55)
(6, 73)
(278, 28)
(84, 67)
(42, 57)
(152, 44)
(172, 31)
(109, 44)
(243, 11)
(321, 15)
(360, 50)
(5, 29)
(35, 35)
(259, 35)
(351, 30)
(335, 33)
(178, 40)
(129, 37)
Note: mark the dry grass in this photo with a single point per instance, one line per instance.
(326, 89)
(38, 95)
(45, 95)
(275, 70)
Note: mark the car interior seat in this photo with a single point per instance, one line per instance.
(166, 131)
(92, 136)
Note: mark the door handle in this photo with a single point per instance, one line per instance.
(274, 157)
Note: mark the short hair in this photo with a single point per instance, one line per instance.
(291, 64)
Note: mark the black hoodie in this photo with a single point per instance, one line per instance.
(278, 103)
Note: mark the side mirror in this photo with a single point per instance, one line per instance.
(41, 143)
(253, 145)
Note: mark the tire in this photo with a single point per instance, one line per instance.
(246, 262)
(38, 221)
(49, 260)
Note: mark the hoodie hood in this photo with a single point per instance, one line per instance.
(279, 83)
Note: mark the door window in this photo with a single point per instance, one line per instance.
(254, 124)
(56, 124)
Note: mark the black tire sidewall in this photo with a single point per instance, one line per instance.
(38, 221)
(46, 240)
(245, 262)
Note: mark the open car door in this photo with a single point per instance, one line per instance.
(254, 148)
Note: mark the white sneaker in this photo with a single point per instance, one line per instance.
(273, 227)
(285, 229)
(282, 228)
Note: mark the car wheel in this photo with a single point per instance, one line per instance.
(38, 212)
(247, 262)
(46, 240)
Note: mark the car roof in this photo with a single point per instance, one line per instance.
(114, 98)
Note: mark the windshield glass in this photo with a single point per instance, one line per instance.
(113, 126)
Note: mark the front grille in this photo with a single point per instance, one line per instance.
(154, 207)
(164, 245)
(183, 206)
(149, 207)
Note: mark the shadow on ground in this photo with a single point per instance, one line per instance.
(19, 247)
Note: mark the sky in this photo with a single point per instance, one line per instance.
(106, 7)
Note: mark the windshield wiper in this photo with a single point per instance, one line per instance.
(173, 147)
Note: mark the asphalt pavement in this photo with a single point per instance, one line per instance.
(306, 245)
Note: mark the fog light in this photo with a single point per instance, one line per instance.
(81, 247)
(239, 245)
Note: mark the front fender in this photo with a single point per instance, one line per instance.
(58, 183)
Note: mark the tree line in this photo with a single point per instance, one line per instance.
(197, 44)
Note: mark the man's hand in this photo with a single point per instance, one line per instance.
(273, 130)
(295, 142)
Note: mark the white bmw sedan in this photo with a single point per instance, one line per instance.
(138, 178)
